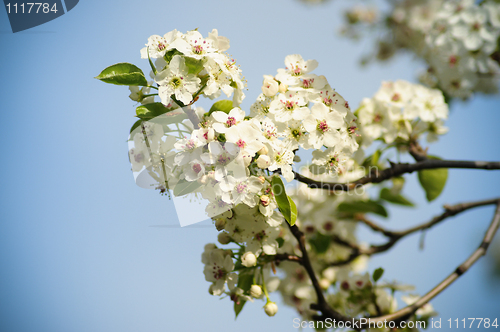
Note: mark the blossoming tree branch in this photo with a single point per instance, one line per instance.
(284, 225)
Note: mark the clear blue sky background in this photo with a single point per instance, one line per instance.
(77, 250)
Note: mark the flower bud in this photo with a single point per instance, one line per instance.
(262, 179)
(324, 283)
(265, 200)
(263, 161)
(269, 86)
(220, 224)
(255, 291)
(203, 179)
(211, 289)
(263, 151)
(282, 88)
(224, 238)
(248, 259)
(271, 308)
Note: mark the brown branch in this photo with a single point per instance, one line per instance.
(480, 251)
(408, 311)
(306, 262)
(397, 170)
(285, 257)
(395, 236)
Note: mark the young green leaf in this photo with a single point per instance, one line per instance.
(184, 187)
(123, 74)
(135, 125)
(221, 106)
(245, 280)
(433, 181)
(320, 242)
(377, 274)
(363, 207)
(285, 204)
(388, 195)
(150, 111)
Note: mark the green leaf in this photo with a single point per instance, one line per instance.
(377, 274)
(170, 54)
(320, 242)
(150, 111)
(433, 181)
(280, 241)
(245, 281)
(388, 195)
(184, 187)
(135, 125)
(194, 66)
(363, 207)
(153, 68)
(224, 105)
(285, 204)
(123, 74)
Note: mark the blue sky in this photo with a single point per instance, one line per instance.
(78, 250)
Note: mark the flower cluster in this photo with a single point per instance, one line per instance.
(458, 39)
(400, 112)
(300, 109)
(189, 64)
(232, 163)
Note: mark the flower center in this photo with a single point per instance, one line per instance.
(198, 49)
(241, 188)
(139, 157)
(296, 133)
(396, 97)
(175, 82)
(197, 168)
(377, 118)
(230, 121)
(322, 126)
(161, 46)
(306, 84)
(218, 272)
(290, 105)
(241, 143)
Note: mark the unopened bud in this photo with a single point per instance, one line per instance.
(220, 224)
(265, 200)
(263, 161)
(248, 259)
(324, 283)
(282, 88)
(263, 151)
(224, 238)
(269, 86)
(271, 308)
(255, 291)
